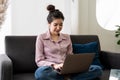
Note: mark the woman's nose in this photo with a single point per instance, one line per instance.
(59, 27)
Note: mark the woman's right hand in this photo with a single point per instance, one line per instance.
(57, 66)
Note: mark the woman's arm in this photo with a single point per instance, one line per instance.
(39, 55)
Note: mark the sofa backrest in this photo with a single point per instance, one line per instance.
(21, 50)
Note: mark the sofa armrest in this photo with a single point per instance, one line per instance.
(110, 60)
(5, 67)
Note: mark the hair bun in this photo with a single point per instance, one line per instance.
(51, 8)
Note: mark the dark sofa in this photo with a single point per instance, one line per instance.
(19, 61)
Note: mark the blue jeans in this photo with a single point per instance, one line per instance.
(48, 73)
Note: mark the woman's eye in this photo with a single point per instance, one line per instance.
(58, 24)
(55, 24)
(61, 24)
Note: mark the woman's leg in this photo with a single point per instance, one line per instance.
(94, 72)
(47, 73)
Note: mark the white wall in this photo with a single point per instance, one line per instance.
(28, 18)
(89, 25)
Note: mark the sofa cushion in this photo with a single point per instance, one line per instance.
(24, 76)
(105, 75)
(91, 47)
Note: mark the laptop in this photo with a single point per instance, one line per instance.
(77, 63)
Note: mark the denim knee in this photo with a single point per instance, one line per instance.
(94, 67)
(47, 73)
(94, 72)
(97, 69)
(41, 72)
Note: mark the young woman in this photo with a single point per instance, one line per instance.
(52, 48)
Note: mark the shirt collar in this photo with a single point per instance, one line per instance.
(48, 36)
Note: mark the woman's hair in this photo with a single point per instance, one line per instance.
(54, 14)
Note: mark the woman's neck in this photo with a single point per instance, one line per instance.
(55, 37)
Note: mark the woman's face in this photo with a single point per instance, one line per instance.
(56, 26)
